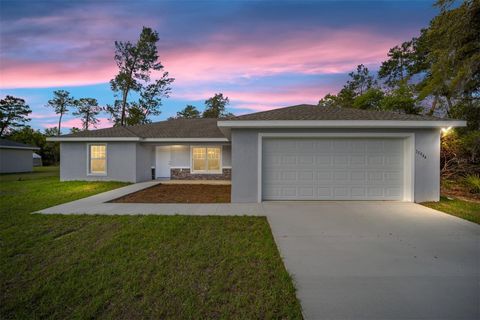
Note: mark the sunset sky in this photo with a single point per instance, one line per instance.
(261, 54)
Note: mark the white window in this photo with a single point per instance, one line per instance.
(97, 159)
(206, 159)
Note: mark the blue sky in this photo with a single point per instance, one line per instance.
(261, 54)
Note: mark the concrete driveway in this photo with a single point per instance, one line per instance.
(378, 260)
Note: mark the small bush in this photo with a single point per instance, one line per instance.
(472, 182)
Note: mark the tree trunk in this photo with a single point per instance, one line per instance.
(124, 103)
(449, 103)
(59, 123)
(87, 119)
(434, 106)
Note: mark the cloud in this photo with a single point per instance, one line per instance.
(77, 123)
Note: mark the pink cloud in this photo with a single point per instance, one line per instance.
(262, 99)
(38, 115)
(104, 123)
(224, 58)
(316, 52)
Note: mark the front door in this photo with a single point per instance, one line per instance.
(163, 162)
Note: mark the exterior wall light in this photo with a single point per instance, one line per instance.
(446, 130)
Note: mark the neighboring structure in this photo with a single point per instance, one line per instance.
(37, 160)
(16, 157)
(303, 152)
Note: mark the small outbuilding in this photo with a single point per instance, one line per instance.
(16, 156)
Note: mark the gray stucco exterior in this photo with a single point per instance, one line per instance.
(16, 160)
(126, 161)
(245, 160)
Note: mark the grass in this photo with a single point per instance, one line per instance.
(460, 208)
(132, 267)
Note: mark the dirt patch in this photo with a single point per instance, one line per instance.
(456, 189)
(179, 193)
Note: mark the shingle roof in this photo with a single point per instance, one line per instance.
(4, 143)
(207, 127)
(177, 128)
(313, 112)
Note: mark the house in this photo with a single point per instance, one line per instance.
(302, 152)
(15, 156)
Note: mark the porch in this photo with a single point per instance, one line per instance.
(191, 163)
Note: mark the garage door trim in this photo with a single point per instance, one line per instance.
(409, 153)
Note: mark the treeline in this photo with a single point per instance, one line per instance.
(438, 74)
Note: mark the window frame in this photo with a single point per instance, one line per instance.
(219, 171)
(94, 174)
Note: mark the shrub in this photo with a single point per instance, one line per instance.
(472, 181)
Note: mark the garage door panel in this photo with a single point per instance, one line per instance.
(332, 169)
(323, 160)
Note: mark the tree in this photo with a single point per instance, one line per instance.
(360, 80)
(48, 150)
(189, 112)
(13, 114)
(447, 56)
(51, 132)
(53, 148)
(75, 130)
(136, 61)
(87, 109)
(60, 103)
(115, 111)
(215, 107)
(136, 115)
(401, 99)
(329, 100)
(370, 99)
(398, 67)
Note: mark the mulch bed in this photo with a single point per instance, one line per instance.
(179, 193)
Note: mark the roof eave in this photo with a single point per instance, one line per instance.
(93, 139)
(340, 124)
(133, 139)
(20, 148)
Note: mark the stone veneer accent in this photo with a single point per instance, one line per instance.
(184, 174)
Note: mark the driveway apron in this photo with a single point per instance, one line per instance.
(378, 260)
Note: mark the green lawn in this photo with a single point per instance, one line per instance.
(132, 267)
(463, 209)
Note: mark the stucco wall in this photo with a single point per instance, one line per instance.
(16, 160)
(245, 161)
(121, 162)
(144, 164)
(126, 161)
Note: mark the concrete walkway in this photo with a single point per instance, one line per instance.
(352, 260)
(98, 204)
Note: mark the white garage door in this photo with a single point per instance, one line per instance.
(332, 169)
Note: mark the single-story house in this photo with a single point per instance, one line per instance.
(16, 156)
(302, 152)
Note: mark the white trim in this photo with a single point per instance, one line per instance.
(92, 139)
(409, 154)
(20, 148)
(89, 174)
(180, 168)
(184, 140)
(226, 167)
(206, 171)
(100, 139)
(341, 123)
